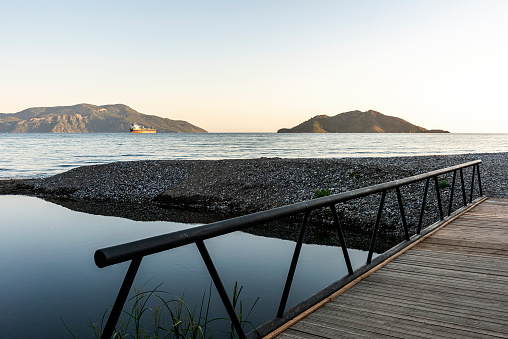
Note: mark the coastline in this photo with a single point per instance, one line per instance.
(242, 186)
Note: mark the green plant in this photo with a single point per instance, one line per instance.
(443, 183)
(236, 301)
(172, 318)
(321, 192)
(357, 174)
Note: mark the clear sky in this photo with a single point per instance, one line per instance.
(257, 66)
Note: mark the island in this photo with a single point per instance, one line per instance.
(87, 118)
(357, 122)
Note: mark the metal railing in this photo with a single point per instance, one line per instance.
(135, 251)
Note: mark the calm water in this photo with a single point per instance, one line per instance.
(47, 269)
(36, 155)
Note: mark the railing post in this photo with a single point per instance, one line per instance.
(451, 193)
(292, 268)
(479, 181)
(220, 288)
(341, 239)
(438, 195)
(376, 227)
(472, 185)
(402, 214)
(121, 298)
(422, 211)
(463, 187)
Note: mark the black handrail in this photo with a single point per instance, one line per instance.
(136, 250)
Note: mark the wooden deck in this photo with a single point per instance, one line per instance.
(453, 284)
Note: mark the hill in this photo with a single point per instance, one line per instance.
(357, 122)
(86, 118)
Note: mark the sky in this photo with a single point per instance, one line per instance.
(258, 66)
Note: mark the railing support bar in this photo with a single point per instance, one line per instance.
(422, 211)
(121, 298)
(451, 193)
(345, 252)
(402, 214)
(376, 227)
(220, 288)
(479, 180)
(292, 268)
(438, 195)
(463, 187)
(472, 185)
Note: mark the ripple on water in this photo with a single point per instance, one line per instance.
(53, 153)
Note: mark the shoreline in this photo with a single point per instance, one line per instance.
(242, 186)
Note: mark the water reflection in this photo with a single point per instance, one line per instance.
(47, 268)
(318, 233)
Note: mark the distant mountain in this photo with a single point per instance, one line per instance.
(86, 118)
(357, 122)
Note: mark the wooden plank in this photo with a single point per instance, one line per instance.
(404, 326)
(477, 238)
(418, 287)
(322, 326)
(412, 317)
(422, 285)
(474, 312)
(479, 242)
(293, 334)
(383, 306)
(480, 220)
(493, 270)
(452, 279)
(485, 252)
(492, 308)
(417, 252)
(456, 260)
(475, 229)
(463, 272)
(453, 284)
(327, 325)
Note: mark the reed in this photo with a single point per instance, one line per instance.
(170, 317)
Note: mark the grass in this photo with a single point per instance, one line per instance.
(170, 317)
(321, 192)
(357, 174)
(443, 183)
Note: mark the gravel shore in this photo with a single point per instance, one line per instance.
(244, 186)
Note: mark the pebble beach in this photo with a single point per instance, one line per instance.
(244, 186)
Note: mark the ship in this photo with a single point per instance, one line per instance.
(135, 128)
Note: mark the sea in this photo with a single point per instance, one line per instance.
(50, 286)
(41, 155)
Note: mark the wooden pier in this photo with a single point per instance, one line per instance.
(452, 284)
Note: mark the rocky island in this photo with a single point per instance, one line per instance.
(357, 122)
(86, 118)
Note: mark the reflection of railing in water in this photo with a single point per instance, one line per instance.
(135, 251)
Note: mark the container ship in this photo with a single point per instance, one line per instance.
(135, 128)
